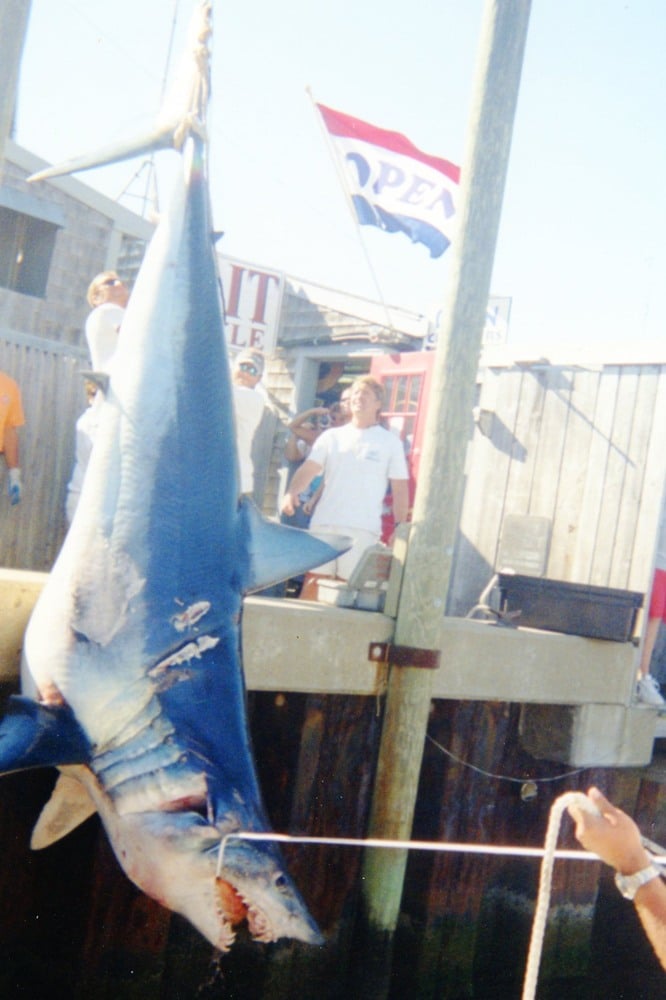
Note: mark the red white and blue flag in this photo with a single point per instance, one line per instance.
(393, 184)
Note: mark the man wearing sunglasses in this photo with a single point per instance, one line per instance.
(247, 369)
(107, 296)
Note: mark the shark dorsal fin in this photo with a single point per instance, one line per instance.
(278, 552)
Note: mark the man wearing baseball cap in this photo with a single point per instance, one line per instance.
(247, 369)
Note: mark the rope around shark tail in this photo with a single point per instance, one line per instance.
(545, 881)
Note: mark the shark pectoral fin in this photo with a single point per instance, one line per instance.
(278, 552)
(34, 735)
(69, 806)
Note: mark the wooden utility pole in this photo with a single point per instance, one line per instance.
(440, 487)
(13, 27)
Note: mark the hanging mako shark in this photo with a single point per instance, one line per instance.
(132, 677)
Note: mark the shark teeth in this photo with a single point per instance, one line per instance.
(236, 907)
(260, 927)
(227, 935)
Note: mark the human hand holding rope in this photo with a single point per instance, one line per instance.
(610, 833)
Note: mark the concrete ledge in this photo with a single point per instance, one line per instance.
(485, 662)
(303, 646)
(589, 735)
(315, 648)
(19, 590)
(287, 645)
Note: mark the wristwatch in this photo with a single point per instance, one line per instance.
(630, 884)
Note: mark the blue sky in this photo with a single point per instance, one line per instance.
(580, 248)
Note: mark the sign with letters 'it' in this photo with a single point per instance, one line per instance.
(252, 300)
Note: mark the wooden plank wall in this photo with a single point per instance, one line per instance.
(579, 446)
(53, 397)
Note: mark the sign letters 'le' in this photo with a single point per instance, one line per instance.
(252, 299)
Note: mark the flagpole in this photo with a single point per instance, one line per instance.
(350, 205)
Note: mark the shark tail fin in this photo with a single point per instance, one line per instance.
(159, 139)
(183, 111)
(278, 552)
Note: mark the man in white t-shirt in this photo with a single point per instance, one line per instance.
(108, 296)
(249, 405)
(358, 462)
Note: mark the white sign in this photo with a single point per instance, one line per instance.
(252, 299)
(496, 327)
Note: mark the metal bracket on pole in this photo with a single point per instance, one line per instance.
(403, 656)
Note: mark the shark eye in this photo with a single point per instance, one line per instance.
(280, 881)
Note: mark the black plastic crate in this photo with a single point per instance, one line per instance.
(574, 608)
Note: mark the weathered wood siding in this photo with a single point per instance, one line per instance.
(582, 447)
(53, 397)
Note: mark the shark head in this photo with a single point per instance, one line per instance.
(216, 882)
(251, 875)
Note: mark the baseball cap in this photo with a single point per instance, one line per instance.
(255, 358)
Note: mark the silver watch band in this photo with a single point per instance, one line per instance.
(630, 884)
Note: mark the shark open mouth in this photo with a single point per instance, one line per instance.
(235, 908)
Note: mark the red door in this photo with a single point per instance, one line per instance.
(406, 378)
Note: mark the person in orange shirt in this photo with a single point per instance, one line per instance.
(11, 418)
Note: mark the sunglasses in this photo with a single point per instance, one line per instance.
(248, 368)
(111, 281)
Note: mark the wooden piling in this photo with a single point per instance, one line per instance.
(439, 493)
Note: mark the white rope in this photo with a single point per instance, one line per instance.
(402, 845)
(545, 881)
(415, 845)
(548, 853)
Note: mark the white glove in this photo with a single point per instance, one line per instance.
(14, 486)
